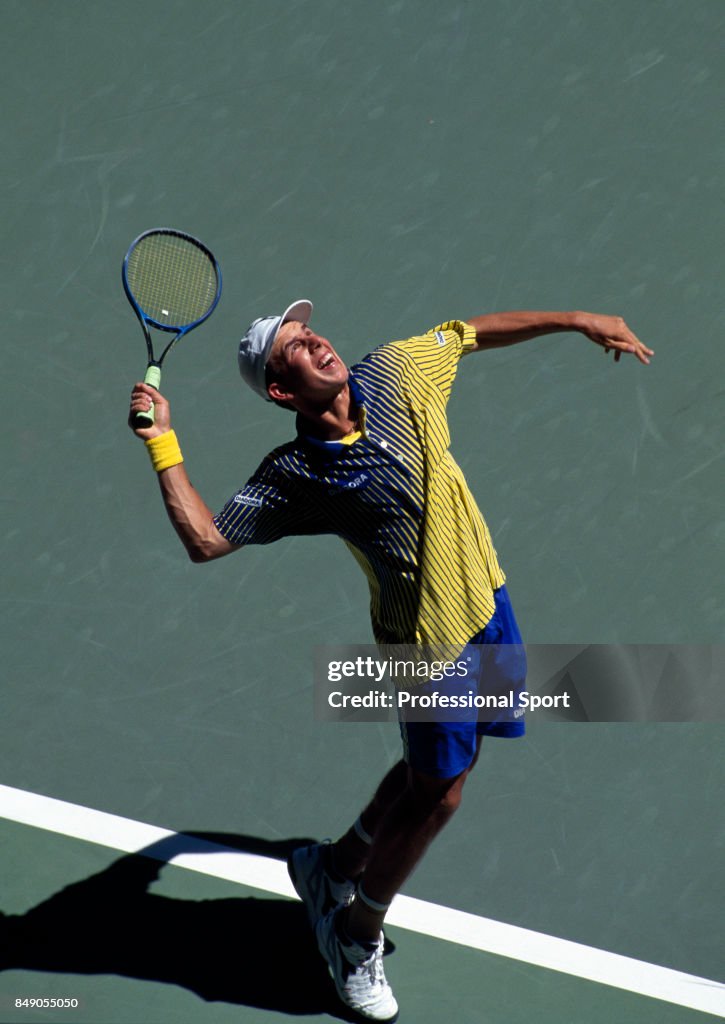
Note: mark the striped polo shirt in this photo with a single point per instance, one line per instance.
(392, 492)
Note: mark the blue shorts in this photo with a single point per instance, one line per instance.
(445, 749)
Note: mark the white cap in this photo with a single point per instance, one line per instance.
(255, 346)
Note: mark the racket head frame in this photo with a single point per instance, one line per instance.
(144, 318)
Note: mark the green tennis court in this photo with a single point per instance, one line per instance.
(400, 163)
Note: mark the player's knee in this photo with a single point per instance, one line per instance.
(451, 800)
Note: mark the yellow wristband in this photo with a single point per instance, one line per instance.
(164, 451)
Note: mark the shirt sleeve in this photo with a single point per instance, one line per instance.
(262, 511)
(436, 353)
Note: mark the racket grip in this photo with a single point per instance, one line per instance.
(153, 379)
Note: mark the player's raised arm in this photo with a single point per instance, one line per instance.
(190, 516)
(496, 330)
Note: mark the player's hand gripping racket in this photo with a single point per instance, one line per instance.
(173, 283)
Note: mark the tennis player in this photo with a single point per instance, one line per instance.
(370, 463)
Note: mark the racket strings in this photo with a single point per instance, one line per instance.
(172, 279)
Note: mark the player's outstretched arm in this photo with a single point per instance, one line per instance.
(189, 514)
(495, 330)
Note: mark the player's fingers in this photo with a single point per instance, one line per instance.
(141, 403)
(635, 347)
(642, 352)
(148, 392)
(639, 348)
(643, 349)
(139, 396)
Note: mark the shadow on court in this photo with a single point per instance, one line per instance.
(255, 952)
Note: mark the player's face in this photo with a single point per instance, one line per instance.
(307, 365)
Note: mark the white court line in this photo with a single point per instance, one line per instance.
(440, 922)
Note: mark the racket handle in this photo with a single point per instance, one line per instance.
(153, 379)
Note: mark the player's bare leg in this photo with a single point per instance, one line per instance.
(407, 812)
(350, 854)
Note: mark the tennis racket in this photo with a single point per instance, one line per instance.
(173, 283)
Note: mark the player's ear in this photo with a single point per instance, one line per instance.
(274, 380)
(277, 392)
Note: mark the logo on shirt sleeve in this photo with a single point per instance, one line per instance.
(440, 338)
(249, 497)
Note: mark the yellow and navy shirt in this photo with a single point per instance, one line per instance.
(392, 492)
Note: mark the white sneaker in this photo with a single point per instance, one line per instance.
(318, 891)
(357, 972)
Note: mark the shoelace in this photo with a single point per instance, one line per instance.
(374, 967)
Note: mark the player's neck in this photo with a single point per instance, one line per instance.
(329, 422)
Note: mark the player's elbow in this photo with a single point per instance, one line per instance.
(208, 546)
(197, 553)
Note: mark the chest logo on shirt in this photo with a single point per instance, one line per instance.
(440, 338)
(248, 497)
(354, 483)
